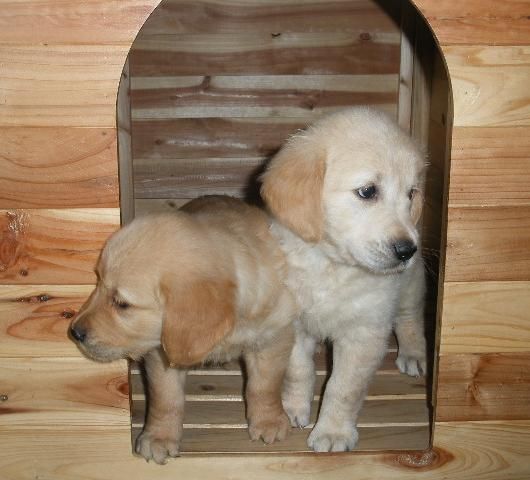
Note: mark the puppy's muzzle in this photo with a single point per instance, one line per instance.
(404, 249)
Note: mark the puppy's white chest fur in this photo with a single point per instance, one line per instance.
(338, 299)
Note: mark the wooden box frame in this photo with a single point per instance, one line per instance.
(61, 66)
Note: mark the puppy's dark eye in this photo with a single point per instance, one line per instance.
(412, 193)
(367, 192)
(120, 304)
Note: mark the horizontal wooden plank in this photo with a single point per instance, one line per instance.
(259, 96)
(462, 450)
(490, 85)
(485, 317)
(58, 167)
(57, 391)
(488, 244)
(228, 440)
(53, 246)
(477, 22)
(490, 166)
(272, 16)
(200, 414)
(265, 54)
(71, 21)
(486, 386)
(211, 137)
(34, 319)
(60, 85)
(181, 178)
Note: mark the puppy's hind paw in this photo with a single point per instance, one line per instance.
(160, 449)
(412, 365)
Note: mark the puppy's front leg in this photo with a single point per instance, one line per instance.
(354, 364)
(409, 324)
(266, 371)
(162, 432)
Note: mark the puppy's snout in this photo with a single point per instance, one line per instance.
(404, 249)
(78, 333)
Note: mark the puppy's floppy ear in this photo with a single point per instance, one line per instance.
(292, 187)
(198, 315)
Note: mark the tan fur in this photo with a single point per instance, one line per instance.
(201, 284)
(348, 279)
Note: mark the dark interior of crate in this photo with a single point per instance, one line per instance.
(215, 89)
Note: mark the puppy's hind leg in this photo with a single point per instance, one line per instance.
(409, 324)
(299, 384)
(266, 370)
(162, 432)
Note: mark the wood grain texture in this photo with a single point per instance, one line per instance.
(467, 451)
(34, 320)
(53, 246)
(66, 392)
(303, 96)
(272, 16)
(267, 54)
(71, 21)
(71, 85)
(478, 22)
(489, 386)
(181, 178)
(485, 317)
(211, 137)
(490, 85)
(488, 244)
(490, 166)
(58, 167)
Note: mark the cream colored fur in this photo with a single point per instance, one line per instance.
(201, 284)
(343, 268)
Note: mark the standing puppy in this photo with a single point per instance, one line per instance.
(201, 284)
(347, 195)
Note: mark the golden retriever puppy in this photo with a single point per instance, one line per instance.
(347, 196)
(179, 289)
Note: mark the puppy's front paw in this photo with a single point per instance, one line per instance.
(269, 427)
(157, 447)
(328, 440)
(410, 364)
(298, 409)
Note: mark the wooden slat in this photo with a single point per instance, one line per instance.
(60, 85)
(265, 53)
(272, 16)
(476, 22)
(211, 137)
(181, 178)
(223, 440)
(485, 317)
(58, 167)
(494, 450)
(53, 246)
(483, 387)
(63, 392)
(71, 21)
(259, 96)
(490, 166)
(34, 319)
(488, 244)
(490, 85)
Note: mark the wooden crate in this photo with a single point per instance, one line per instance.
(64, 417)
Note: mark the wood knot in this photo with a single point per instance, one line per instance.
(67, 313)
(427, 460)
(365, 37)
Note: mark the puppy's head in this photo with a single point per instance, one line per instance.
(159, 283)
(353, 182)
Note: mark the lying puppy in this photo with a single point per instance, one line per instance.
(347, 195)
(201, 284)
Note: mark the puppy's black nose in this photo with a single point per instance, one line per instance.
(78, 334)
(404, 249)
